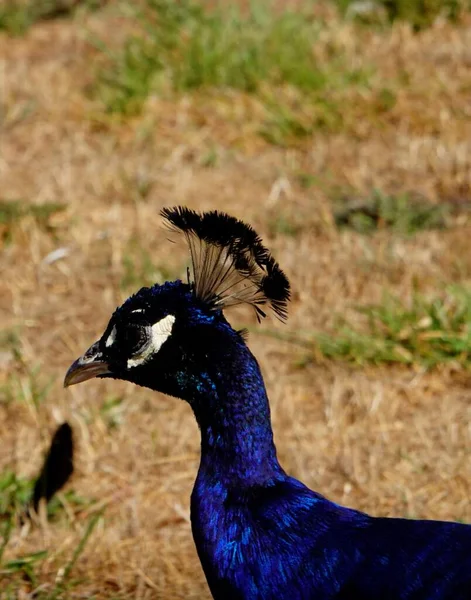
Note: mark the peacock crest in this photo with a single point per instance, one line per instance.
(229, 263)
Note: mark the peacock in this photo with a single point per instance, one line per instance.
(260, 533)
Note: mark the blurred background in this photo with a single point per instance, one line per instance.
(341, 130)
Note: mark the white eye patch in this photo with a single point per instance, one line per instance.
(160, 332)
(111, 337)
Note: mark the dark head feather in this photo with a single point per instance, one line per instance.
(229, 262)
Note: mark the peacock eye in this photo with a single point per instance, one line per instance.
(133, 338)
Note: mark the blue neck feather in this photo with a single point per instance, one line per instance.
(234, 417)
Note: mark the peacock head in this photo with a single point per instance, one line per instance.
(169, 337)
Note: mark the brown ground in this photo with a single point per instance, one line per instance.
(389, 441)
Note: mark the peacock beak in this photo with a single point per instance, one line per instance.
(89, 365)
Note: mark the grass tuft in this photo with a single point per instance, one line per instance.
(426, 332)
(400, 213)
(16, 492)
(419, 13)
(17, 16)
(24, 566)
(192, 48)
(12, 212)
(180, 47)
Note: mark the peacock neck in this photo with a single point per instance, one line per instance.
(234, 417)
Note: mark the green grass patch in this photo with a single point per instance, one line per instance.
(25, 567)
(16, 492)
(12, 212)
(426, 332)
(17, 16)
(186, 47)
(400, 213)
(285, 125)
(181, 47)
(419, 13)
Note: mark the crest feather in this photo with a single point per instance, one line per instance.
(229, 262)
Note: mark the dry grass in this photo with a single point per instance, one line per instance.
(389, 441)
